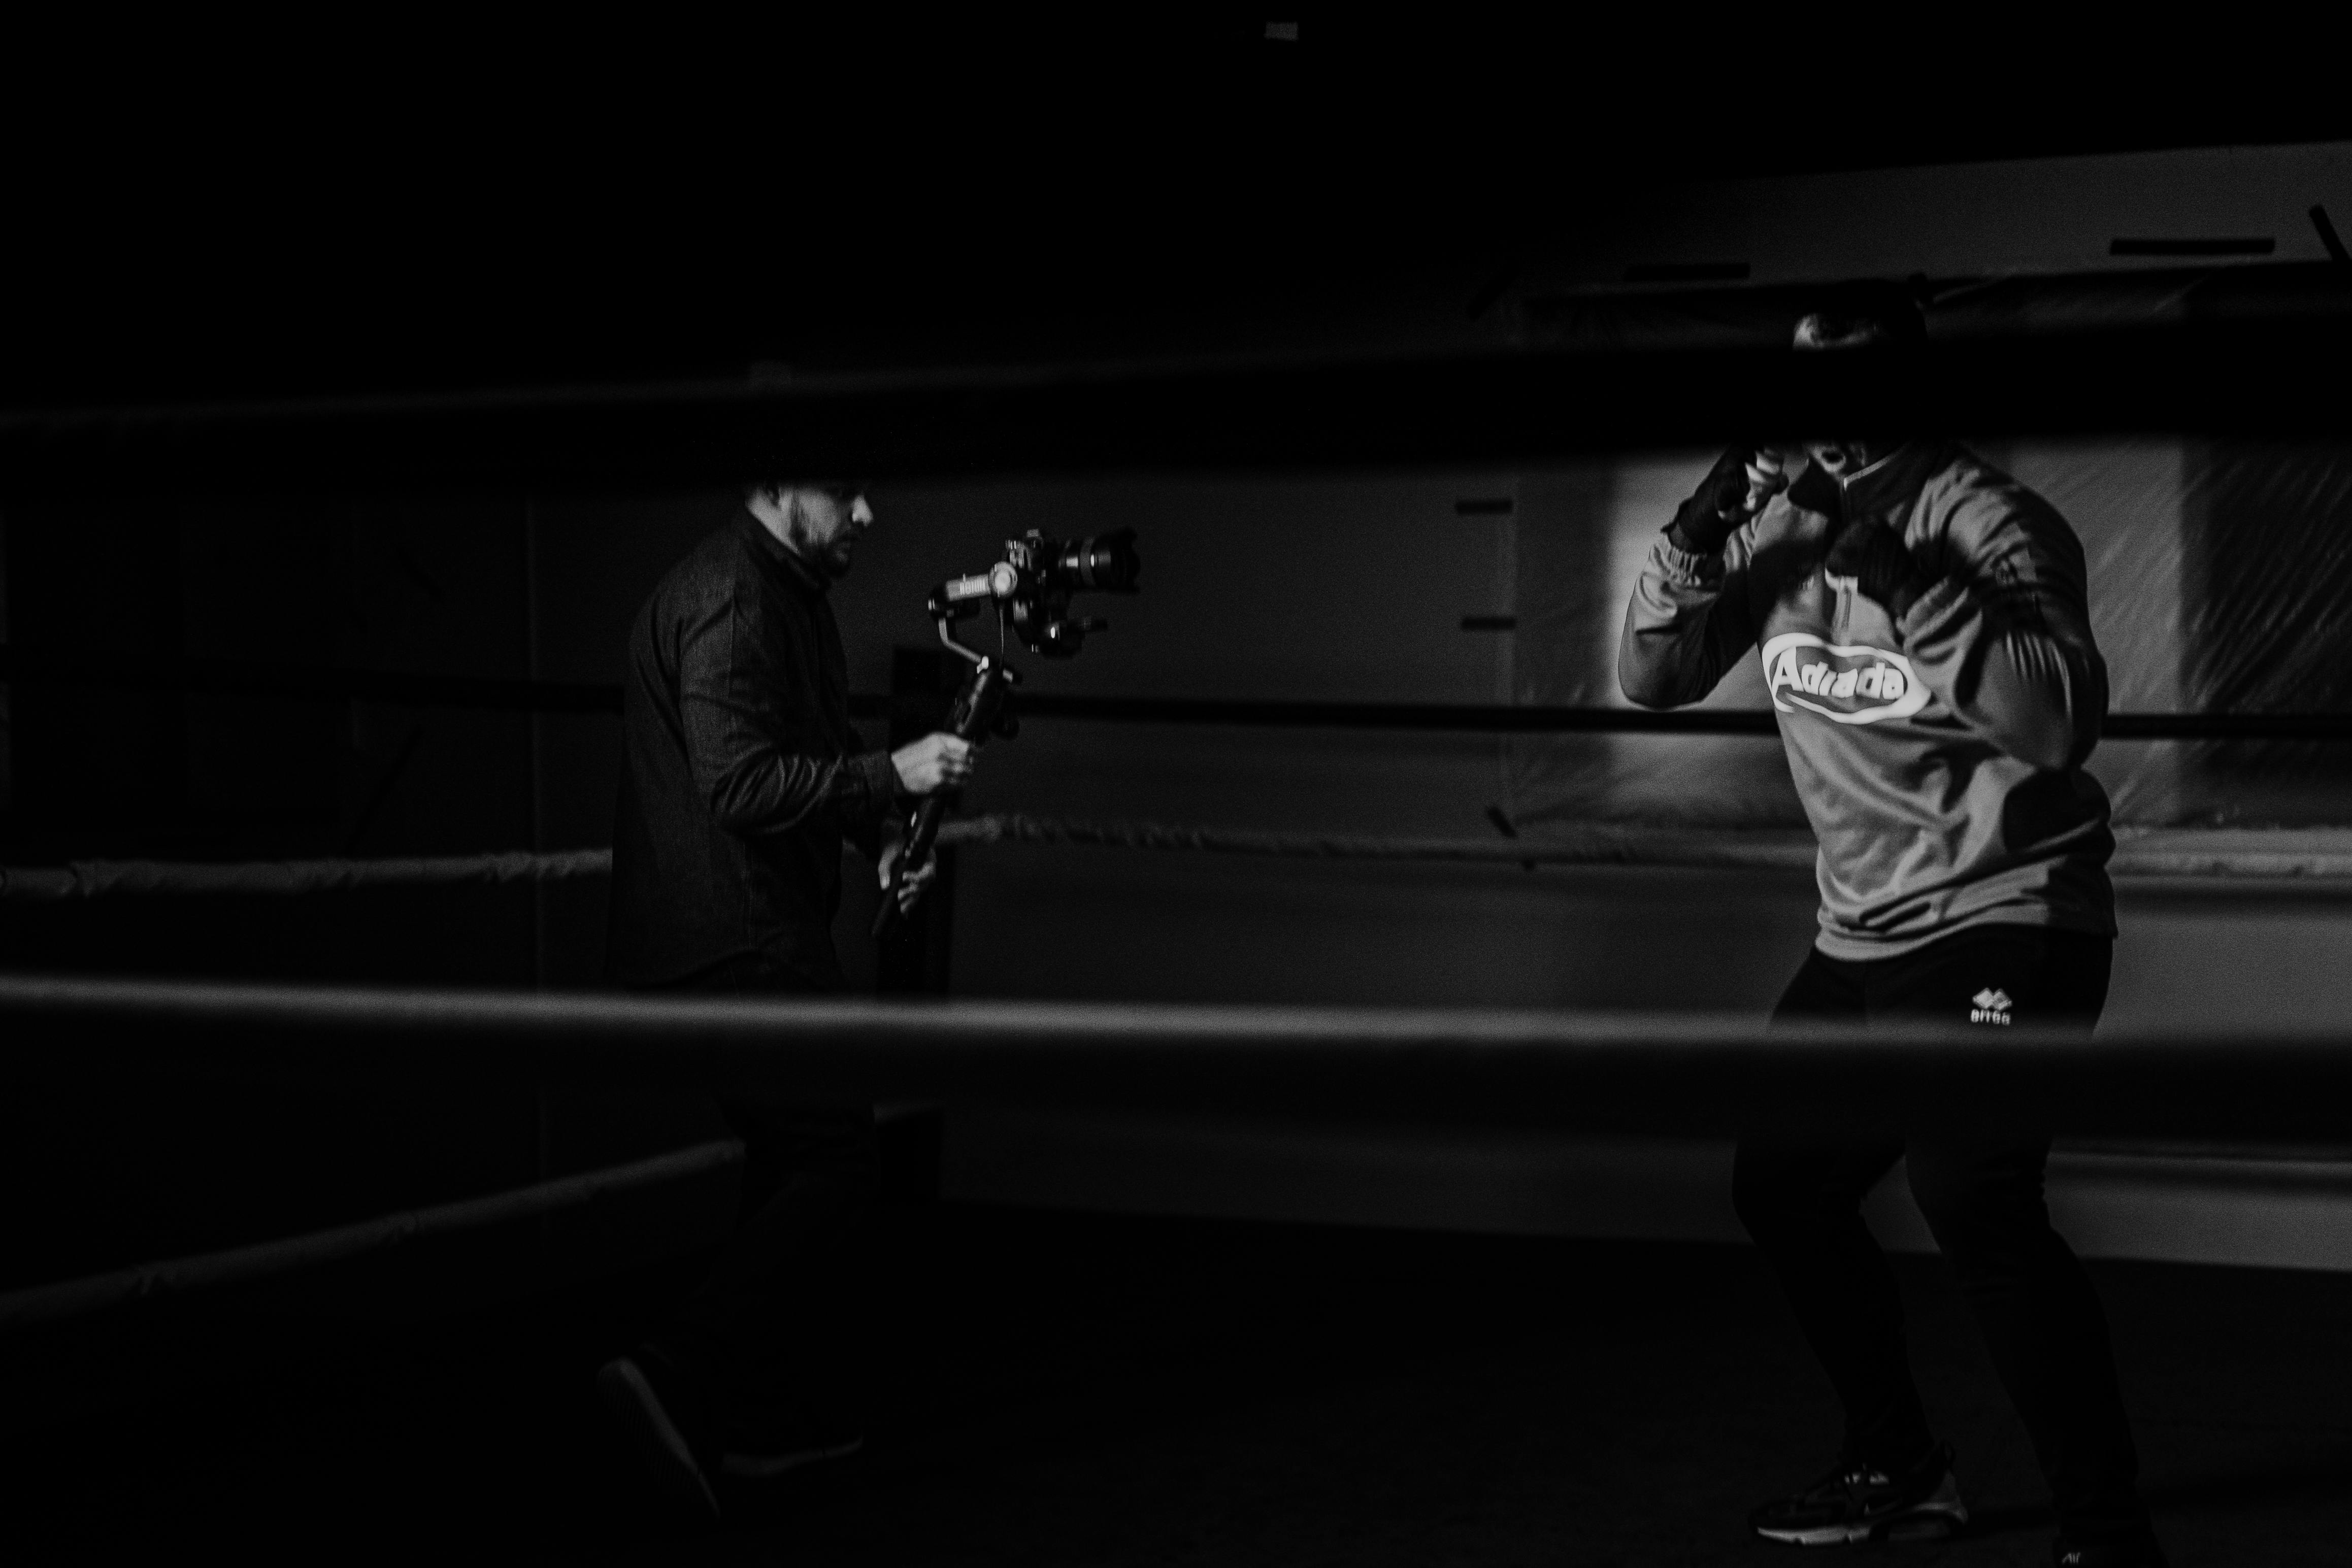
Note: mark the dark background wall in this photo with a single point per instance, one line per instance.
(423, 587)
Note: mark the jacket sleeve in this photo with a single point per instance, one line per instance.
(1688, 622)
(745, 742)
(864, 829)
(2004, 636)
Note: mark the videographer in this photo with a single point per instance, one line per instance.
(1924, 628)
(741, 780)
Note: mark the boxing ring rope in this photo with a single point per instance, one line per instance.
(1556, 1070)
(44, 1305)
(2315, 858)
(1668, 1073)
(116, 879)
(307, 683)
(2149, 854)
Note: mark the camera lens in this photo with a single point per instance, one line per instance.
(1106, 562)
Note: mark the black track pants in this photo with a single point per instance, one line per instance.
(779, 1326)
(1981, 1194)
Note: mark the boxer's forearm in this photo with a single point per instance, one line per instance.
(2015, 673)
(1687, 624)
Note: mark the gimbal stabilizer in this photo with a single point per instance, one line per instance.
(1030, 590)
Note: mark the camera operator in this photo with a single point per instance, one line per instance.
(741, 780)
(1925, 627)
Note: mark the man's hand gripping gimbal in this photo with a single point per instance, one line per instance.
(1030, 590)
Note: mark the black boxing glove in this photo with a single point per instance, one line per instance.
(1719, 506)
(1871, 556)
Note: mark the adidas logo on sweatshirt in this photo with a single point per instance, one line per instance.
(1849, 684)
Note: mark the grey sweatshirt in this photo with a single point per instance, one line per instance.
(1940, 758)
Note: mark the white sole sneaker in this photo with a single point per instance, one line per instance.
(1938, 1514)
(762, 1466)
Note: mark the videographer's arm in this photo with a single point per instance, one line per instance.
(743, 751)
(938, 762)
(868, 832)
(885, 865)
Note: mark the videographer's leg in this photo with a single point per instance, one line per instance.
(778, 1329)
(758, 1371)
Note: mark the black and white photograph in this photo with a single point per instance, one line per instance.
(1176, 789)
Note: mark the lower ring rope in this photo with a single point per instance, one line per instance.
(99, 1292)
(2319, 855)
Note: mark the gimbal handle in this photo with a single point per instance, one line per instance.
(979, 712)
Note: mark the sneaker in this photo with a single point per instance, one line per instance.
(766, 1440)
(1854, 1503)
(652, 1406)
(2142, 1553)
(749, 1460)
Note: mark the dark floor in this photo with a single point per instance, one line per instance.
(1065, 1389)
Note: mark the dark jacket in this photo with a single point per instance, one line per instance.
(741, 776)
(1940, 758)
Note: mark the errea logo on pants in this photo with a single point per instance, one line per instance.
(1992, 1006)
(1847, 685)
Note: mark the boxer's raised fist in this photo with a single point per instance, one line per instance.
(1734, 490)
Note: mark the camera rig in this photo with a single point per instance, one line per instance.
(1030, 590)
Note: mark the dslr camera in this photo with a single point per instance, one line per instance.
(1030, 590)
